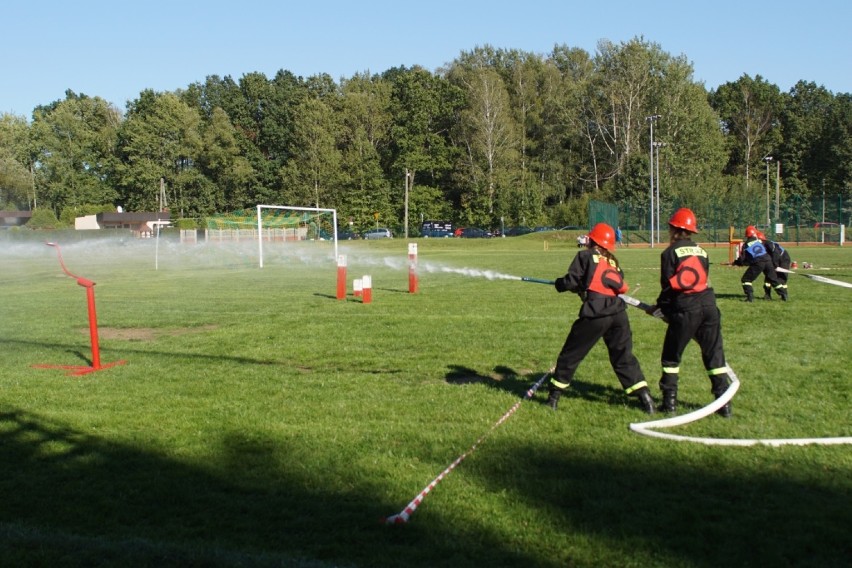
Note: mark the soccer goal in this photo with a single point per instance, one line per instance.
(290, 223)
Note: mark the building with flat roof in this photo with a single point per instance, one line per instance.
(14, 218)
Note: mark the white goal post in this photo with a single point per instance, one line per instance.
(317, 210)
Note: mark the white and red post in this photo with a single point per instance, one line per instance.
(341, 277)
(412, 268)
(367, 292)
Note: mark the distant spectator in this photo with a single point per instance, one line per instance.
(618, 236)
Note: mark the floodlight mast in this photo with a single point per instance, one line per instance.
(651, 120)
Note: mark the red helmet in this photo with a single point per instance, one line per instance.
(751, 231)
(684, 219)
(761, 236)
(603, 235)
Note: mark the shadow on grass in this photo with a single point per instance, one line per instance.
(502, 377)
(731, 296)
(686, 511)
(127, 349)
(519, 382)
(90, 502)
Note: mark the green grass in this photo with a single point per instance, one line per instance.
(258, 421)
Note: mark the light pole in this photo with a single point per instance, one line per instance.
(408, 182)
(767, 159)
(658, 145)
(777, 190)
(651, 120)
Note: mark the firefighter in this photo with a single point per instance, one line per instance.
(780, 258)
(758, 260)
(596, 277)
(688, 305)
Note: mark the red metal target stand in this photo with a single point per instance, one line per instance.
(77, 370)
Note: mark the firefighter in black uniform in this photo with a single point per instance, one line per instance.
(780, 258)
(688, 305)
(596, 276)
(755, 256)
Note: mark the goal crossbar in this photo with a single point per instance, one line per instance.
(291, 208)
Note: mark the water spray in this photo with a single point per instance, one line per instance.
(93, 325)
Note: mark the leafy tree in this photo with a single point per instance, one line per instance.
(630, 75)
(749, 110)
(262, 113)
(160, 140)
(424, 108)
(75, 140)
(837, 142)
(310, 178)
(572, 135)
(43, 218)
(15, 177)
(526, 80)
(693, 154)
(222, 162)
(490, 138)
(805, 119)
(365, 121)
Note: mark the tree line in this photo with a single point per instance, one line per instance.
(497, 136)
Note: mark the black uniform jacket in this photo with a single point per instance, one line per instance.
(684, 278)
(580, 280)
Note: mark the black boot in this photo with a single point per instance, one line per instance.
(725, 411)
(720, 385)
(767, 291)
(669, 401)
(553, 397)
(783, 294)
(645, 400)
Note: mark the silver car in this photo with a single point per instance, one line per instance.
(380, 233)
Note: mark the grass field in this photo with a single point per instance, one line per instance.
(258, 421)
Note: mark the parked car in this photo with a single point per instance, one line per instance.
(380, 233)
(475, 233)
(436, 229)
(347, 235)
(515, 231)
(438, 233)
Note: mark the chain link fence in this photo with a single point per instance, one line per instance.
(799, 221)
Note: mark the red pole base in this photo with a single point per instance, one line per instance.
(341, 282)
(77, 370)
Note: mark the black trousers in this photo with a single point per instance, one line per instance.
(761, 267)
(584, 334)
(704, 324)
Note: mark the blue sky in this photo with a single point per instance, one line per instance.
(116, 49)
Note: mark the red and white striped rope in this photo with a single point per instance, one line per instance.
(405, 514)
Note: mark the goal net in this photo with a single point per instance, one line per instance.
(281, 223)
